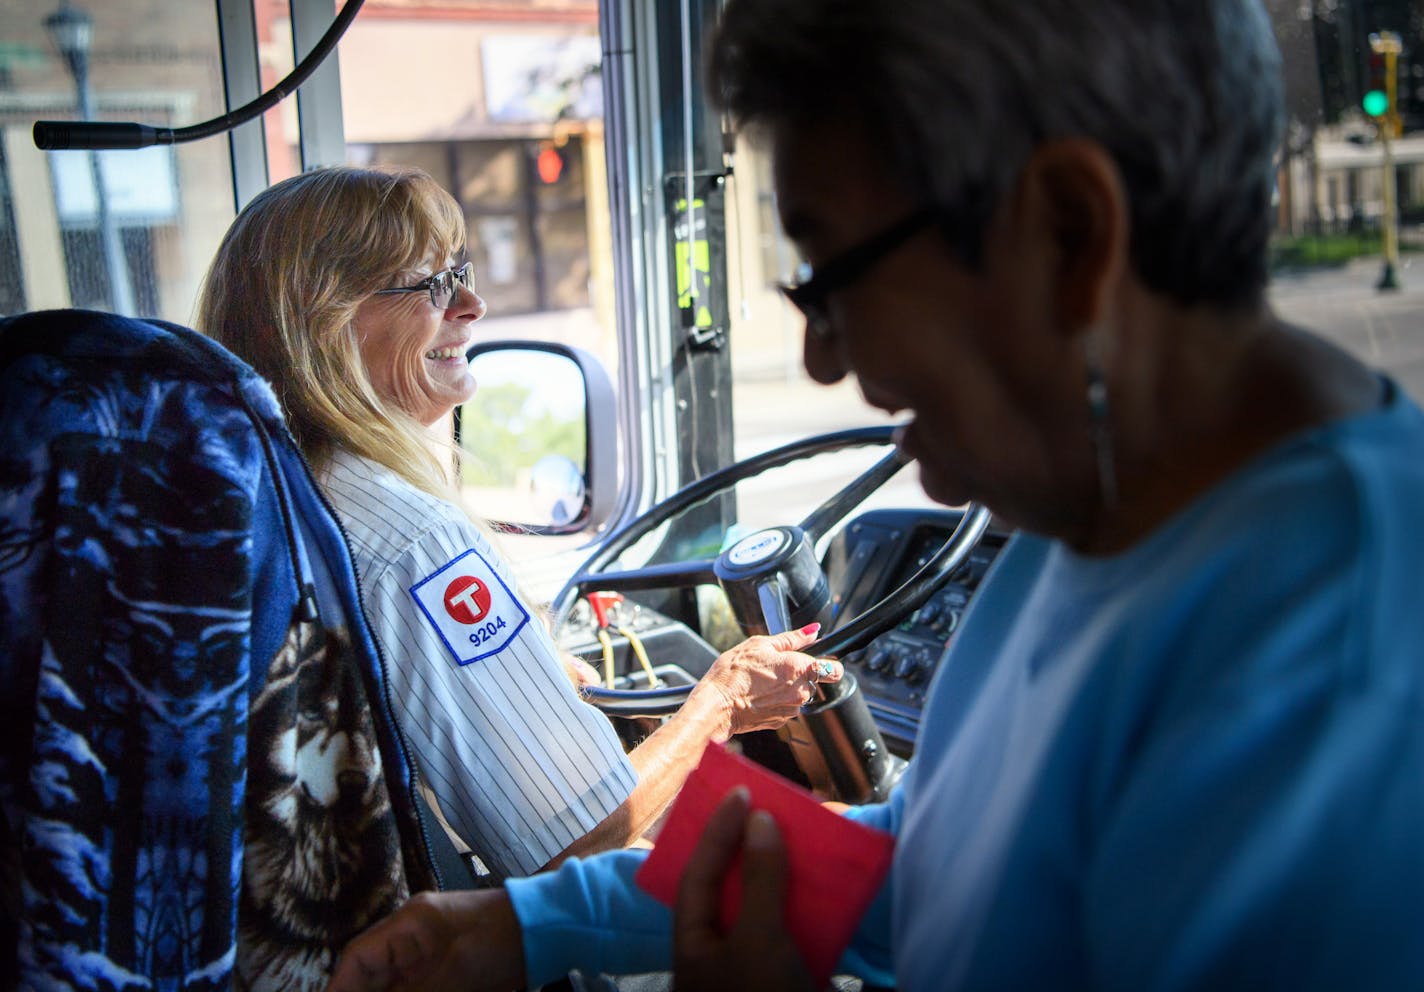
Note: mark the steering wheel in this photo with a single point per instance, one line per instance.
(772, 577)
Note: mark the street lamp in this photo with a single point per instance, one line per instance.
(71, 29)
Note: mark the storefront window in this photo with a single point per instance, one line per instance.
(127, 231)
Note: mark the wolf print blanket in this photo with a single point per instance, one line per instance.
(199, 783)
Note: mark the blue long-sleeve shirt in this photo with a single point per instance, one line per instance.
(1195, 764)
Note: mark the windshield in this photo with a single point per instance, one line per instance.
(507, 106)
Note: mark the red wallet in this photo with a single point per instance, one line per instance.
(835, 865)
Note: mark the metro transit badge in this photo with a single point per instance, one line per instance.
(470, 607)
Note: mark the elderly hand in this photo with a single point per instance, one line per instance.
(467, 941)
(757, 952)
(764, 681)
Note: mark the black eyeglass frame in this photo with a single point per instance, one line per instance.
(810, 295)
(442, 283)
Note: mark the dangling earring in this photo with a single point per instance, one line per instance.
(1100, 421)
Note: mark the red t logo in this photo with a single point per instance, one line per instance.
(467, 600)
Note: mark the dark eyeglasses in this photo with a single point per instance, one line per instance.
(813, 287)
(441, 285)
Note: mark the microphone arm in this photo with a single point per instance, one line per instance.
(60, 135)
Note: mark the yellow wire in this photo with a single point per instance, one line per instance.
(637, 644)
(607, 643)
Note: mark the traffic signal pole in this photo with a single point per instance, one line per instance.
(1388, 123)
(1388, 278)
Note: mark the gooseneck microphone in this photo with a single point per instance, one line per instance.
(61, 135)
(64, 135)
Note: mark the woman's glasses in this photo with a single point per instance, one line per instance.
(812, 289)
(441, 285)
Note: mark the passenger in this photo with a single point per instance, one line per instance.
(1178, 742)
(344, 288)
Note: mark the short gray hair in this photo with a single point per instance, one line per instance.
(1186, 95)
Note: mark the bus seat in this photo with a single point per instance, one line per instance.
(200, 780)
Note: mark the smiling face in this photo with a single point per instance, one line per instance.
(414, 352)
(994, 385)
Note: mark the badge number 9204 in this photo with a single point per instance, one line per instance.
(487, 631)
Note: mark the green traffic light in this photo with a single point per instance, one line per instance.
(1376, 103)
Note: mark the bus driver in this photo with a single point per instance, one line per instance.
(342, 287)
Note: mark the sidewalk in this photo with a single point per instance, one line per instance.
(1383, 329)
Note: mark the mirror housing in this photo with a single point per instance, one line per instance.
(567, 491)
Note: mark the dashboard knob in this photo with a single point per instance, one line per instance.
(879, 659)
(952, 621)
(928, 662)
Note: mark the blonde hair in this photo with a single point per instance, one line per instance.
(283, 290)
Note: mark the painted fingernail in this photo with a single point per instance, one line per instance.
(810, 628)
(761, 830)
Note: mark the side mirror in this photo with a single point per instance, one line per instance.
(538, 439)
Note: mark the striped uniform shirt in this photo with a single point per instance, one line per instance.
(519, 766)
